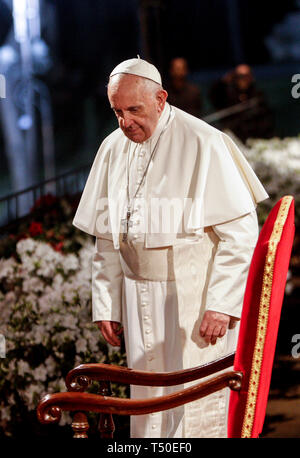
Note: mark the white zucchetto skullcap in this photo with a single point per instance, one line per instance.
(138, 67)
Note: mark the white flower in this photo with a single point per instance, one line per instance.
(57, 385)
(28, 265)
(282, 155)
(69, 291)
(50, 365)
(57, 281)
(93, 340)
(81, 345)
(7, 267)
(78, 360)
(69, 321)
(33, 284)
(52, 299)
(40, 373)
(70, 262)
(46, 269)
(61, 337)
(7, 301)
(38, 334)
(26, 245)
(48, 260)
(23, 367)
(85, 255)
(46, 252)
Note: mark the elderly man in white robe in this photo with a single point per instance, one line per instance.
(172, 204)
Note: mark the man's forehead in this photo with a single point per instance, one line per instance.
(125, 80)
(129, 92)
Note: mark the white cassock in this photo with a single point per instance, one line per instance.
(160, 281)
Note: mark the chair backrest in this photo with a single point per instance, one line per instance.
(260, 320)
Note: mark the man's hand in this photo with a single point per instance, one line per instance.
(111, 331)
(214, 325)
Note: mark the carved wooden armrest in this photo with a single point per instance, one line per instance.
(50, 407)
(80, 377)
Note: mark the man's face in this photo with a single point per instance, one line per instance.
(178, 68)
(243, 77)
(136, 107)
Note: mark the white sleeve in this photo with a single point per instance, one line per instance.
(232, 260)
(107, 280)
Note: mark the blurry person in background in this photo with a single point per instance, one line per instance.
(182, 93)
(237, 86)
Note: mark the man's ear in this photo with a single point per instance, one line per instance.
(161, 97)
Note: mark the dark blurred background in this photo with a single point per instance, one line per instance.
(57, 59)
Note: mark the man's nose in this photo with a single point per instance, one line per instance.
(126, 121)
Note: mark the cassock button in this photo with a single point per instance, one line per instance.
(148, 331)
(153, 426)
(144, 304)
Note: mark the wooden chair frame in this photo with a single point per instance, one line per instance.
(78, 379)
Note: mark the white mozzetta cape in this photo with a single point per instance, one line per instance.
(193, 161)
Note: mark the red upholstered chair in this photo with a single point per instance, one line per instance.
(253, 361)
(260, 320)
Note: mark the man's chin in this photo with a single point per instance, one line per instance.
(135, 137)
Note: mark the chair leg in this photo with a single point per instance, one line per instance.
(106, 425)
(80, 425)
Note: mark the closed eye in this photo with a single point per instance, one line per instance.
(133, 109)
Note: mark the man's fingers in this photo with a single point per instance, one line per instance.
(219, 331)
(107, 336)
(117, 328)
(107, 329)
(223, 331)
(216, 332)
(212, 333)
(214, 325)
(208, 333)
(203, 327)
(111, 338)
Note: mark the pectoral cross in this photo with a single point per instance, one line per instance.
(126, 224)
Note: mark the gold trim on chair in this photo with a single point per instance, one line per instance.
(264, 316)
